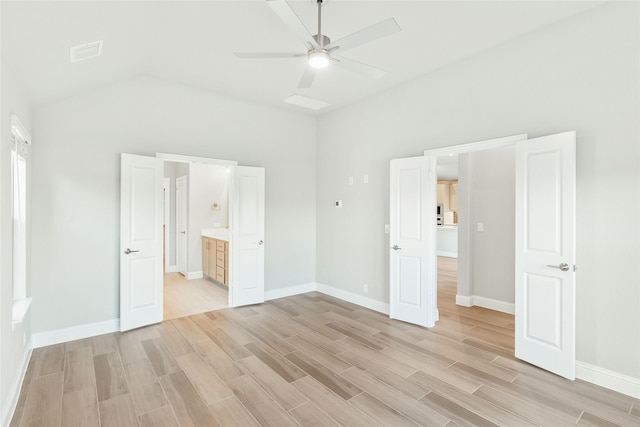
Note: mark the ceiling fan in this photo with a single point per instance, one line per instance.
(320, 49)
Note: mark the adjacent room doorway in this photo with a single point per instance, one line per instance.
(544, 241)
(141, 256)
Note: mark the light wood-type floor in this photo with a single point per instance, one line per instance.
(184, 297)
(309, 360)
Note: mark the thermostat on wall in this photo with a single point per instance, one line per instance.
(338, 203)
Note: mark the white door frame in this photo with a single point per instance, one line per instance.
(192, 159)
(464, 236)
(166, 186)
(180, 210)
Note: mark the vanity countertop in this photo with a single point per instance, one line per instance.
(217, 233)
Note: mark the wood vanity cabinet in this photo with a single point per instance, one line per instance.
(215, 259)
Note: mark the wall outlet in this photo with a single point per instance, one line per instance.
(350, 180)
(365, 288)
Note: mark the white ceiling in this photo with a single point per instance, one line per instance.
(193, 43)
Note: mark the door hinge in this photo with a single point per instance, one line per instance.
(574, 267)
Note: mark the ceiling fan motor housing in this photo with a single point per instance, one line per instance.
(322, 40)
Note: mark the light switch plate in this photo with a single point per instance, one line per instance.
(481, 226)
(338, 203)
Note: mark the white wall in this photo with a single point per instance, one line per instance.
(14, 343)
(580, 74)
(207, 183)
(76, 209)
(492, 194)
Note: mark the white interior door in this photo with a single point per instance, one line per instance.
(141, 219)
(181, 225)
(545, 252)
(412, 239)
(246, 264)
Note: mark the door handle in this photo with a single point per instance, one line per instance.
(564, 266)
(183, 232)
(396, 248)
(260, 242)
(129, 251)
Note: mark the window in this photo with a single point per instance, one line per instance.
(20, 141)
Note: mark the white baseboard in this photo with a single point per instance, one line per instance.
(170, 269)
(9, 407)
(609, 379)
(464, 300)
(289, 291)
(360, 300)
(57, 336)
(447, 254)
(491, 304)
(194, 275)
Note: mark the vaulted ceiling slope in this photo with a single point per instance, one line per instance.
(193, 42)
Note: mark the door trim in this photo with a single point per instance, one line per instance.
(166, 186)
(469, 147)
(186, 219)
(193, 159)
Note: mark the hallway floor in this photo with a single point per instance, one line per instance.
(184, 297)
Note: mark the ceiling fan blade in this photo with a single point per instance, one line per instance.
(359, 67)
(268, 55)
(307, 78)
(291, 20)
(374, 32)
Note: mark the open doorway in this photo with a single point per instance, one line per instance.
(482, 224)
(542, 243)
(447, 229)
(141, 236)
(196, 200)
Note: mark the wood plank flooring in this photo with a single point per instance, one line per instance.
(310, 360)
(184, 297)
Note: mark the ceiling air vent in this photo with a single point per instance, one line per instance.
(306, 102)
(85, 51)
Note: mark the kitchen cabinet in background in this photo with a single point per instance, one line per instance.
(453, 196)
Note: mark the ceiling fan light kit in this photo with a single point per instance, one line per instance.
(320, 48)
(318, 59)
